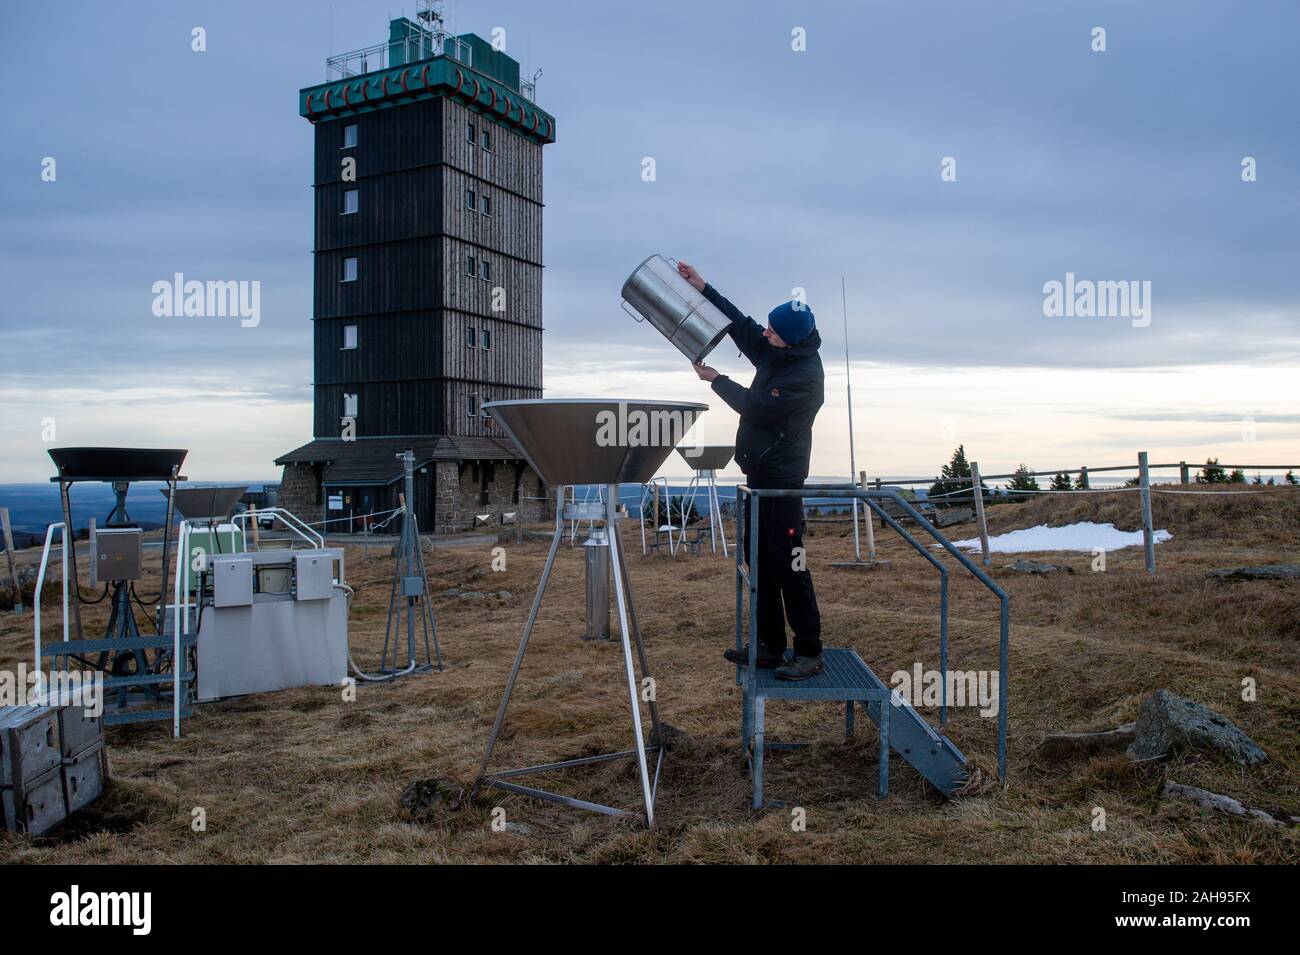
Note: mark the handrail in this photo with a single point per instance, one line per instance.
(179, 620)
(302, 529)
(62, 528)
(873, 496)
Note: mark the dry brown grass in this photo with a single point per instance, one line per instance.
(301, 776)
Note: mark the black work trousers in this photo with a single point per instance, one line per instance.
(785, 587)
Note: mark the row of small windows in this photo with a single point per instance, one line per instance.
(474, 337)
(481, 203)
(474, 408)
(479, 267)
(484, 140)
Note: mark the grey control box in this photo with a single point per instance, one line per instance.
(313, 575)
(116, 554)
(232, 581)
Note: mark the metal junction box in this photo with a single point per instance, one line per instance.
(29, 743)
(116, 554)
(232, 581)
(313, 576)
(83, 777)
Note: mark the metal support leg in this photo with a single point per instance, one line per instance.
(523, 643)
(625, 630)
(759, 747)
(848, 719)
(883, 759)
(615, 540)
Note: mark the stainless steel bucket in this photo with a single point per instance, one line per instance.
(656, 293)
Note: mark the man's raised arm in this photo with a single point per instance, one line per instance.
(744, 331)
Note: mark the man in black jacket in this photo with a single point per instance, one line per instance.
(773, 445)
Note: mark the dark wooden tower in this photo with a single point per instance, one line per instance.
(428, 278)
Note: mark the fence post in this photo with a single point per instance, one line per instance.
(1083, 478)
(1148, 534)
(871, 530)
(1183, 475)
(979, 511)
(9, 553)
(253, 526)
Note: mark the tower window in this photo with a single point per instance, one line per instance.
(485, 206)
(471, 405)
(469, 133)
(469, 199)
(351, 201)
(469, 336)
(349, 406)
(469, 265)
(350, 269)
(487, 140)
(349, 135)
(483, 412)
(486, 339)
(349, 337)
(485, 269)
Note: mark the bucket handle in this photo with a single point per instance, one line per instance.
(628, 308)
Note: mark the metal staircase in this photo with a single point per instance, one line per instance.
(846, 677)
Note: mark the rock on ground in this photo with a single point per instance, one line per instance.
(1169, 722)
(1023, 566)
(1264, 572)
(1209, 800)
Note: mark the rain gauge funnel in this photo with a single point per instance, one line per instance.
(707, 460)
(213, 504)
(593, 441)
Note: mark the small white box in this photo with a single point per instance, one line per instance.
(313, 576)
(232, 581)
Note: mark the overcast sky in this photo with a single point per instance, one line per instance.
(775, 169)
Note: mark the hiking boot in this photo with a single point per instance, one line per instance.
(801, 668)
(741, 657)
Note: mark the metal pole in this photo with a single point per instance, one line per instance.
(1183, 475)
(979, 511)
(1083, 478)
(611, 519)
(848, 388)
(1148, 533)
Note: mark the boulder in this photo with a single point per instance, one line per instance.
(1023, 566)
(1208, 800)
(1264, 572)
(1087, 744)
(1168, 723)
(948, 516)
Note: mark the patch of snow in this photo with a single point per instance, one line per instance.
(1085, 536)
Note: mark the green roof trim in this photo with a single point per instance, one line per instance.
(436, 76)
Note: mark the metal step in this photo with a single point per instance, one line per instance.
(931, 755)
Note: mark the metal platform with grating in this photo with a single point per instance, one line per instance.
(846, 677)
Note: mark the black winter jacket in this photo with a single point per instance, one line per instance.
(774, 441)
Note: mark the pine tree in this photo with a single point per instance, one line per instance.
(1022, 480)
(1078, 483)
(1212, 473)
(948, 488)
(1238, 476)
(1060, 482)
(1291, 478)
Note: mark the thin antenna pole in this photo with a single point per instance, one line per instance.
(848, 386)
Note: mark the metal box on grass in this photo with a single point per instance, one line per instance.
(37, 806)
(29, 743)
(83, 777)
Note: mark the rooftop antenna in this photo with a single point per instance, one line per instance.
(858, 560)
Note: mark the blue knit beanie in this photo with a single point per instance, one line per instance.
(793, 321)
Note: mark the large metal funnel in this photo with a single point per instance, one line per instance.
(595, 440)
(116, 464)
(200, 503)
(710, 457)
